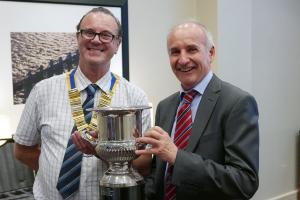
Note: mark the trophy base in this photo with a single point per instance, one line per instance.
(123, 193)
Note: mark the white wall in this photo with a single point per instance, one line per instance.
(259, 51)
(276, 67)
(234, 31)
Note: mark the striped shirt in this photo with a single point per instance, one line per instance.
(47, 120)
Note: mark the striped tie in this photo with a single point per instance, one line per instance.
(69, 176)
(182, 132)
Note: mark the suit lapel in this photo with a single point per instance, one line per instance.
(204, 111)
(171, 113)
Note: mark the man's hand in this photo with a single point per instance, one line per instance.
(82, 144)
(162, 145)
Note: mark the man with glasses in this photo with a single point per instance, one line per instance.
(48, 137)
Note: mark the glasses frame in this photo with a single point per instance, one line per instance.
(81, 31)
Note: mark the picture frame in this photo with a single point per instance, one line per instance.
(75, 9)
(122, 4)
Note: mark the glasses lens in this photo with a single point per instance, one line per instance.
(88, 34)
(106, 36)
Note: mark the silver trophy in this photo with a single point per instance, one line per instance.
(117, 129)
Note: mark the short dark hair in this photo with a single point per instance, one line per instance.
(107, 12)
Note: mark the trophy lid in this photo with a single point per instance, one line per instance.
(119, 109)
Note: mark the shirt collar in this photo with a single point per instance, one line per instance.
(82, 81)
(201, 86)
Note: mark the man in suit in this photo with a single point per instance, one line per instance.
(206, 139)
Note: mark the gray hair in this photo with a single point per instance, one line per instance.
(208, 35)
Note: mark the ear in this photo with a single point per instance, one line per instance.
(212, 54)
(77, 36)
(118, 42)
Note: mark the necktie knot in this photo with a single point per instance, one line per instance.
(91, 89)
(189, 96)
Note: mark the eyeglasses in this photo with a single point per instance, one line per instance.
(104, 36)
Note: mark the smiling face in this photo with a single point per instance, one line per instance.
(190, 59)
(93, 52)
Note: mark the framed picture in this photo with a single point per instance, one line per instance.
(38, 41)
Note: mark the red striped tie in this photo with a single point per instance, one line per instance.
(182, 132)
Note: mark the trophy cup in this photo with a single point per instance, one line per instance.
(117, 129)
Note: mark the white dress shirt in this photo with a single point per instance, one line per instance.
(47, 120)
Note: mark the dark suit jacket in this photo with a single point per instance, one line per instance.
(221, 160)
